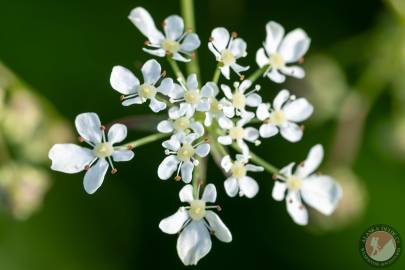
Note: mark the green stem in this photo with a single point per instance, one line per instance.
(143, 141)
(257, 73)
(187, 11)
(259, 161)
(176, 69)
(217, 73)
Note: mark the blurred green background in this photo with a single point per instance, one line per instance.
(355, 77)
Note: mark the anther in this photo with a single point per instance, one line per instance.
(274, 177)
(193, 55)
(302, 164)
(302, 127)
(210, 39)
(164, 23)
(219, 209)
(122, 98)
(81, 139)
(212, 232)
(234, 34)
(318, 173)
(189, 29)
(242, 77)
(301, 207)
(301, 61)
(196, 162)
(290, 201)
(236, 84)
(206, 140)
(177, 178)
(167, 152)
(87, 167)
(147, 42)
(163, 73)
(102, 127)
(257, 142)
(258, 87)
(130, 147)
(114, 171)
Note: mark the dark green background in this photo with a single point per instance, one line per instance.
(66, 50)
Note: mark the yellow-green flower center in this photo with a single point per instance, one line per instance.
(215, 107)
(147, 91)
(238, 100)
(276, 61)
(238, 170)
(197, 209)
(181, 123)
(170, 46)
(103, 150)
(185, 152)
(277, 118)
(227, 57)
(192, 97)
(294, 182)
(236, 133)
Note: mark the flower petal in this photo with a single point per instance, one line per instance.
(280, 99)
(261, 58)
(276, 76)
(166, 86)
(209, 194)
(180, 58)
(287, 170)
(197, 128)
(151, 71)
(291, 132)
(117, 133)
(69, 158)
(262, 111)
(293, 71)
(122, 155)
(174, 223)
(296, 209)
(88, 125)
(186, 194)
(225, 71)
(248, 186)
(167, 167)
(279, 190)
(165, 126)
(231, 186)
(123, 80)
(156, 105)
(225, 140)
(202, 150)
(171, 144)
(192, 82)
(144, 22)
(130, 101)
(187, 171)
(208, 90)
(322, 193)
(225, 123)
(312, 162)
(274, 34)
(218, 227)
(294, 45)
(244, 85)
(251, 134)
(253, 100)
(253, 168)
(226, 163)
(190, 43)
(194, 242)
(227, 91)
(268, 130)
(220, 38)
(298, 110)
(94, 177)
(173, 27)
(203, 106)
(156, 52)
(238, 47)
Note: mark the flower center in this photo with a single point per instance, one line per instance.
(147, 91)
(170, 46)
(276, 61)
(236, 133)
(294, 182)
(277, 118)
(227, 57)
(181, 123)
(197, 209)
(238, 100)
(215, 107)
(238, 170)
(103, 150)
(192, 97)
(185, 152)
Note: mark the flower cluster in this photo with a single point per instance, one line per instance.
(227, 120)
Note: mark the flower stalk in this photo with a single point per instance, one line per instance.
(143, 141)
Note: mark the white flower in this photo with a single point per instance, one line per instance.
(238, 180)
(191, 97)
(178, 122)
(174, 41)
(238, 133)
(195, 223)
(279, 51)
(318, 191)
(286, 112)
(182, 156)
(215, 111)
(236, 102)
(71, 158)
(125, 82)
(227, 49)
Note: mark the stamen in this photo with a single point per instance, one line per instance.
(193, 55)
(122, 98)
(130, 147)
(302, 127)
(102, 127)
(190, 29)
(87, 167)
(210, 39)
(236, 84)
(163, 74)
(257, 142)
(177, 178)
(196, 162)
(241, 77)
(301, 61)
(164, 23)
(258, 87)
(114, 171)
(301, 164)
(274, 177)
(81, 139)
(147, 42)
(234, 34)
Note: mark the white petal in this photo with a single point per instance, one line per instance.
(238, 47)
(294, 45)
(176, 112)
(94, 177)
(167, 167)
(261, 58)
(312, 162)
(243, 146)
(279, 190)
(298, 110)
(287, 170)
(226, 163)
(253, 168)
(276, 76)
(123, 80)
(231, 186)
(225, 71)
(190, 43)
(253, 100)
(123, 155)
(197, 128)
(203, 106)
(151, 71)
(180, 58)
(219, 228)
(171, 144)
(186, 194)
(262, 112)
(322, 193)
(280, 99)
(190, 138)
(225, 123)
(251, 134)
(202, 150)
(291, 132)
(245, 84)
(173, 27)
(187, 171)
(293, 71)
(220, 38)
(214, 51)
(166, 86)
(208, 90)
(208, 119)
(165, 126)
(248, 186)
(227, 91)
(88, 126)
(225, 140)
(130, 101)
(274, 34)
(156, 105)
(117, 133)
(156, 52)
(194, 242)
(268, 130)
(238, 68)
(209, 194)
(296, 209)
(174, 223)
(144, 22)
(246, 117)
(69, 158)
(192, 82)
(229, 111)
